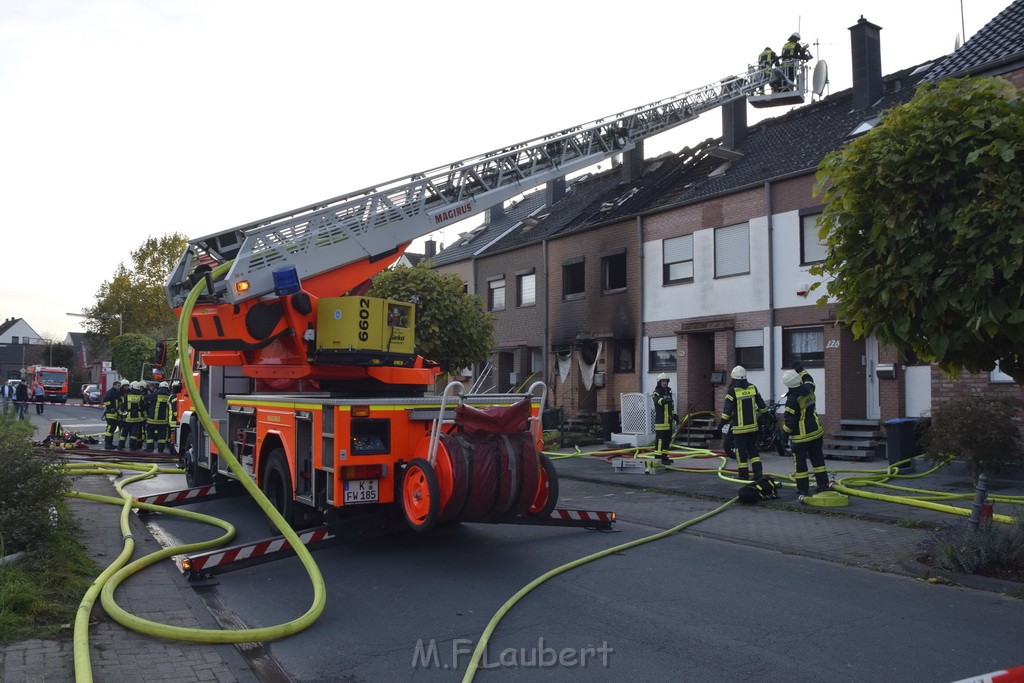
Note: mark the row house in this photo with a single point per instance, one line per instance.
(694, 262)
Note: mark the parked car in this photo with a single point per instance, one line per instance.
(91, 394)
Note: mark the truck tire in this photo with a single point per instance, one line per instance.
(194, 474)
(420, 495)
(276, 484)
(547, 489)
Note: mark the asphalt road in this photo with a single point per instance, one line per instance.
(687, 607)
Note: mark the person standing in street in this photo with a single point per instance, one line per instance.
(804, 428)
(742, 406)
(664, 417)
(39, 396)
(22, 398)
(7, 394)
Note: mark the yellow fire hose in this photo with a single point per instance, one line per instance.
(118, 571)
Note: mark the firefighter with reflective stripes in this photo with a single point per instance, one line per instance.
(158, 418)
(792, 52)
(766, 61)
(664, 416)
(112, 414)
(132, 423)
(743, 404)
(804, 428)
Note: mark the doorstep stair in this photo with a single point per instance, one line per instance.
(698, 432)
(856, 439)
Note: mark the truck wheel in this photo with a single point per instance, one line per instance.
(276, 485)
(194, 474)
(421, 498)
(547, 490)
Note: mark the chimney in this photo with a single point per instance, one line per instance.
(429, 249)
(633, 162)
(734, 123)
(554, 191)
(866, 47)
(496, 212)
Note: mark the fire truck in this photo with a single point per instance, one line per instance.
(53, 379)
(318, 389)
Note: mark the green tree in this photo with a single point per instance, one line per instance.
(133, 299)
(130, 352)
(924, 222)
(452, 327)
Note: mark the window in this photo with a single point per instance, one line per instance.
(526, 289)
(812, 249)
(732, 250)
(750, 349)
(663, 354)
(806, 345)
(677, 260)
(496, 294)
(624, 354)
(573, 280)
(536, 359)
(613, 273)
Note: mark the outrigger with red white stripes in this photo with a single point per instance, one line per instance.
(199, 568)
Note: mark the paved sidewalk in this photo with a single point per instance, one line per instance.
(118, 654)
(876, 534)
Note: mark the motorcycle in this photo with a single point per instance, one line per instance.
(769, 434)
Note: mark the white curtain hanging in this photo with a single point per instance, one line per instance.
(564, 361)
(587, 369)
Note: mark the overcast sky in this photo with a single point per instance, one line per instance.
(125, 119)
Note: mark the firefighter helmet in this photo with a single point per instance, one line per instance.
(137, 386)
(165, 385)
(795, 36)
(791, 379)
(739, 372)
(663, 375)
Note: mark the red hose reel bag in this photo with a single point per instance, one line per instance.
(494, 464)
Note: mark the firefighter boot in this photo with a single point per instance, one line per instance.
(757, 468)
(741, 474)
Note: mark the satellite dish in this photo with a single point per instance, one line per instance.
(820, 78)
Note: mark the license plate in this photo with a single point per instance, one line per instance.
(360, 491)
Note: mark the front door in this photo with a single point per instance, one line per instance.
(873, 409)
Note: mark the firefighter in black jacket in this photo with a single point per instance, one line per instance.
(664, 416)
(158, 418)
(133, 420)
(743, 404)
(111, 413)
(804, 428)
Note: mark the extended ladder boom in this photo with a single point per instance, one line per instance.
(376, 220)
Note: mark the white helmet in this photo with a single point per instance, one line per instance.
(663, 375)
(791, 379)
(137, 386)
(795, 36)
(165, 385)
(739, 372)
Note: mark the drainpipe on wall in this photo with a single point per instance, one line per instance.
(640, 259)
(547, 309)
(771, 288)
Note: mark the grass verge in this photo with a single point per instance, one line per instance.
(39, 595)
